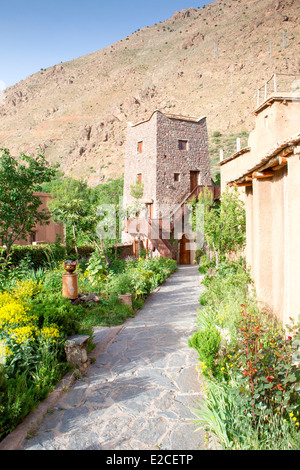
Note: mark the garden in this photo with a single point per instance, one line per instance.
(35, 318)
(248, 360)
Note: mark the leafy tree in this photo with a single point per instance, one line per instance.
(71, 214)
(137, 190)
(78, 206)
(224, 223)
(19, 206)
(110, 192)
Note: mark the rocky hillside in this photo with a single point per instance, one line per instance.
(206, 61)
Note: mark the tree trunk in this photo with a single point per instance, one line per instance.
(65, 233)
(74, 238)
(216, 255)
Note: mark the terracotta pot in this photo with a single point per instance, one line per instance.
(70, 286)
(70, 266)
(125, 298)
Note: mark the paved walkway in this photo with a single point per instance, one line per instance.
(139, 392)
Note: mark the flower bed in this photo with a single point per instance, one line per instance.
(249, 366)
(35, 321)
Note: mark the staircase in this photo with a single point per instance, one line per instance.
(153, 230)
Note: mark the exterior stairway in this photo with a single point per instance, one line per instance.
(153, 228)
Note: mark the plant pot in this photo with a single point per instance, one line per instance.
(70, 286)
(70, 266)
(125, 298)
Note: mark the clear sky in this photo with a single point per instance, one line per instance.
(36, 34)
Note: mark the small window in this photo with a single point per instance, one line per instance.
(176, 176)
(139, 178)
(267, 121)
(182, 144)
(140, 146)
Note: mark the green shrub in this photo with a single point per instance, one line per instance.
(52, 308)
(97, 268)
(36, 255)
(207, 344)
(252, 381)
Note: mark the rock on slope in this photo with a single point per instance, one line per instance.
(206, 61)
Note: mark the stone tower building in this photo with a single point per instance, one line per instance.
(168, 154)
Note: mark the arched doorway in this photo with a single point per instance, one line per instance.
(184, 252)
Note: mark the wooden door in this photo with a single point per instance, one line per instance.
(150, 210)
(184, 252)
(194, 176)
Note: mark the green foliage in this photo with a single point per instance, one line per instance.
(19, 206)
(35, 320)
(75, 204)
(140, 277)
(97, 268)
(36, 256)
(224, 223)
(51, 308)
(110, 192)
(16, 401)
(252, 380)
(207, 344)
(137, 190)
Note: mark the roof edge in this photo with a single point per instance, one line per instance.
(169, 116)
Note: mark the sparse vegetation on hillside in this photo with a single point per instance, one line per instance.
(226, 143)
(202, 61)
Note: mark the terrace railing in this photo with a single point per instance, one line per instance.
(279, 83)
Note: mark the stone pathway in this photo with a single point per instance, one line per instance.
(139, 392)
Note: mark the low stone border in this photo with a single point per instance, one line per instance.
(103, 336)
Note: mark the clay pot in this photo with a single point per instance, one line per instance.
(70, 266)
(125, 298)
(70, 286)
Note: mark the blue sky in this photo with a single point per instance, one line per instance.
(36, 34)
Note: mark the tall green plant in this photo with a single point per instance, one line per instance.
(224, 223)
(20, 209)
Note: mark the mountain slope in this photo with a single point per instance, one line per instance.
(206, 61)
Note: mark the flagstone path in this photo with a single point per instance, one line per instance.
(139, 392)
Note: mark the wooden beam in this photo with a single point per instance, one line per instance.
(248, 178)
(240, 185)
(282, 161)
(258, 174)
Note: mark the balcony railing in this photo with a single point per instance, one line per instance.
(279, 83)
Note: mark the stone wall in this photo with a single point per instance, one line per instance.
(171, 160)
(161, 158)
(144, 162)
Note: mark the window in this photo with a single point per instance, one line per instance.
(140, 146)
(139, 178)
(182, 144)
(176, 176)
(267, 121)
(32, 237)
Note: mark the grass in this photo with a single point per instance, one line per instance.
(35, 320)
(109, 312)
